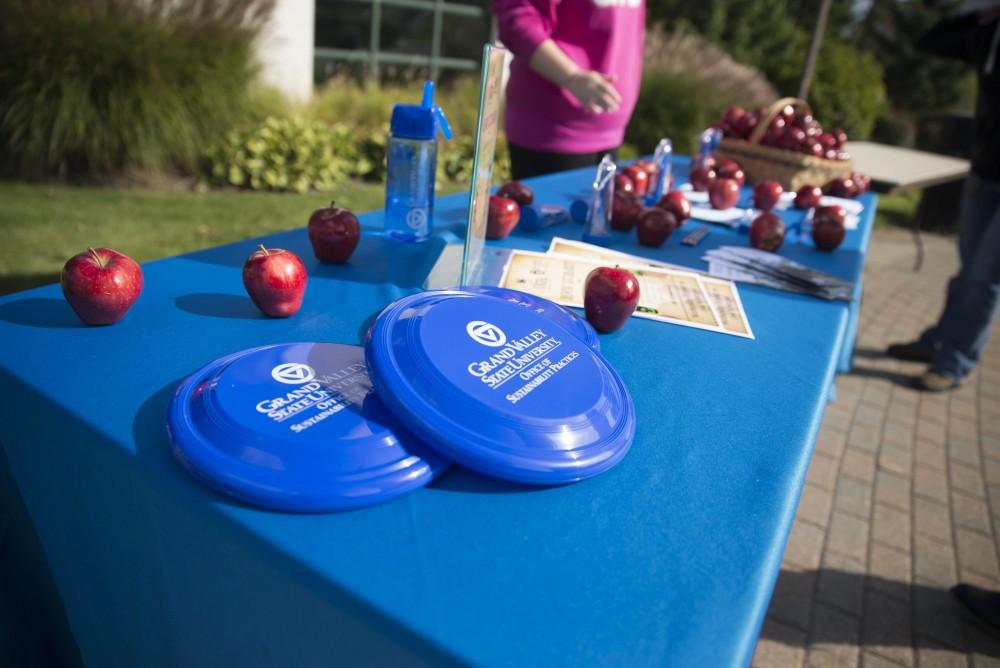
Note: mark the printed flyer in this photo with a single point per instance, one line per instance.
(666, 295)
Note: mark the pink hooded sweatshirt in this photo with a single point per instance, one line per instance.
(601, 35)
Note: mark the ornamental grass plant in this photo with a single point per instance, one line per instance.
(95, 87)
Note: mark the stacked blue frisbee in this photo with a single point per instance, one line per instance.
(502, 382)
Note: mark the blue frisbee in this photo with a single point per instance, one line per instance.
(295, 427)
(499, 388)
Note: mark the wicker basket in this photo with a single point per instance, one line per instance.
(767, 163)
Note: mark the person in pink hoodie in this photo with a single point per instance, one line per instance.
(574, 79)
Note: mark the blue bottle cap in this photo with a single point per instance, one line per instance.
(295, 427)
(564, 317)
(419, 121)
(499, 388)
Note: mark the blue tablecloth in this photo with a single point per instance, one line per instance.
(668, 559)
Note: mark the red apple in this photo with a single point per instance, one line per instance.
(723, 193)
(654, 226)
(803, 120)
(787, 112)
(744, 127)
(773, 137)
(625, 210)
(647, 166)
(832, 212)
(828, 140)
(624, 183)
(518, 192)
(807, 197)
(503, 216)
(334, 233)
(733, 116)
(842, 187)
(101, 285)
(676, 203)
(639, 177)
(700, 177)
(767, 232)
(275, 279)
(843, 155)
(610, 297)
(794, 138)
(766, 194)
(862, 181)
(730, 169)
(840, 136)
(828, 229)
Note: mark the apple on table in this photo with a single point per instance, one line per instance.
(808, 197)
(625, 211)
(101, 284)
(504, 213)
(723, 193)
(655, 226)
(700, 178)
(676, 203)
(767, 232)
(730, 169)
(624, 183)
(334, 233)
(828, 227)
(767, 194)
(517, 191)
(640, 179)
(610, 297)
(276, 280)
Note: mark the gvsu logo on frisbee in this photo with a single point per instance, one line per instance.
(293, 373)
(485, 333)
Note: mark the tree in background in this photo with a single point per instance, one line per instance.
(914, 80)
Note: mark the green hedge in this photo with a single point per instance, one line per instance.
(97, 86)
(342, 132)
(671, 104)
(848, 90)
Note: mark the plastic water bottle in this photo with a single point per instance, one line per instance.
(412, 167)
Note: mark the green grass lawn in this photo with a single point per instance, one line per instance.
(43, 225)
(898, 210)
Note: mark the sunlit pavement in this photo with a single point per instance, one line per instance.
(902, 499)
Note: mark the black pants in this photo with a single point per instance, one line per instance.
(525, 162)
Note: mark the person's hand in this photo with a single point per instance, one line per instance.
(594, 91)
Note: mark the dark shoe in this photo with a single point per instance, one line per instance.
(982, 603)
(932, 381)
(910, 352)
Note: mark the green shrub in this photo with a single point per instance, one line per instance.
(671, 104)
(848, 89)
(455, 160)
(284, 154)
(96, 86)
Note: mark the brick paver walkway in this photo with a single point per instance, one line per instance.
(902, 499)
